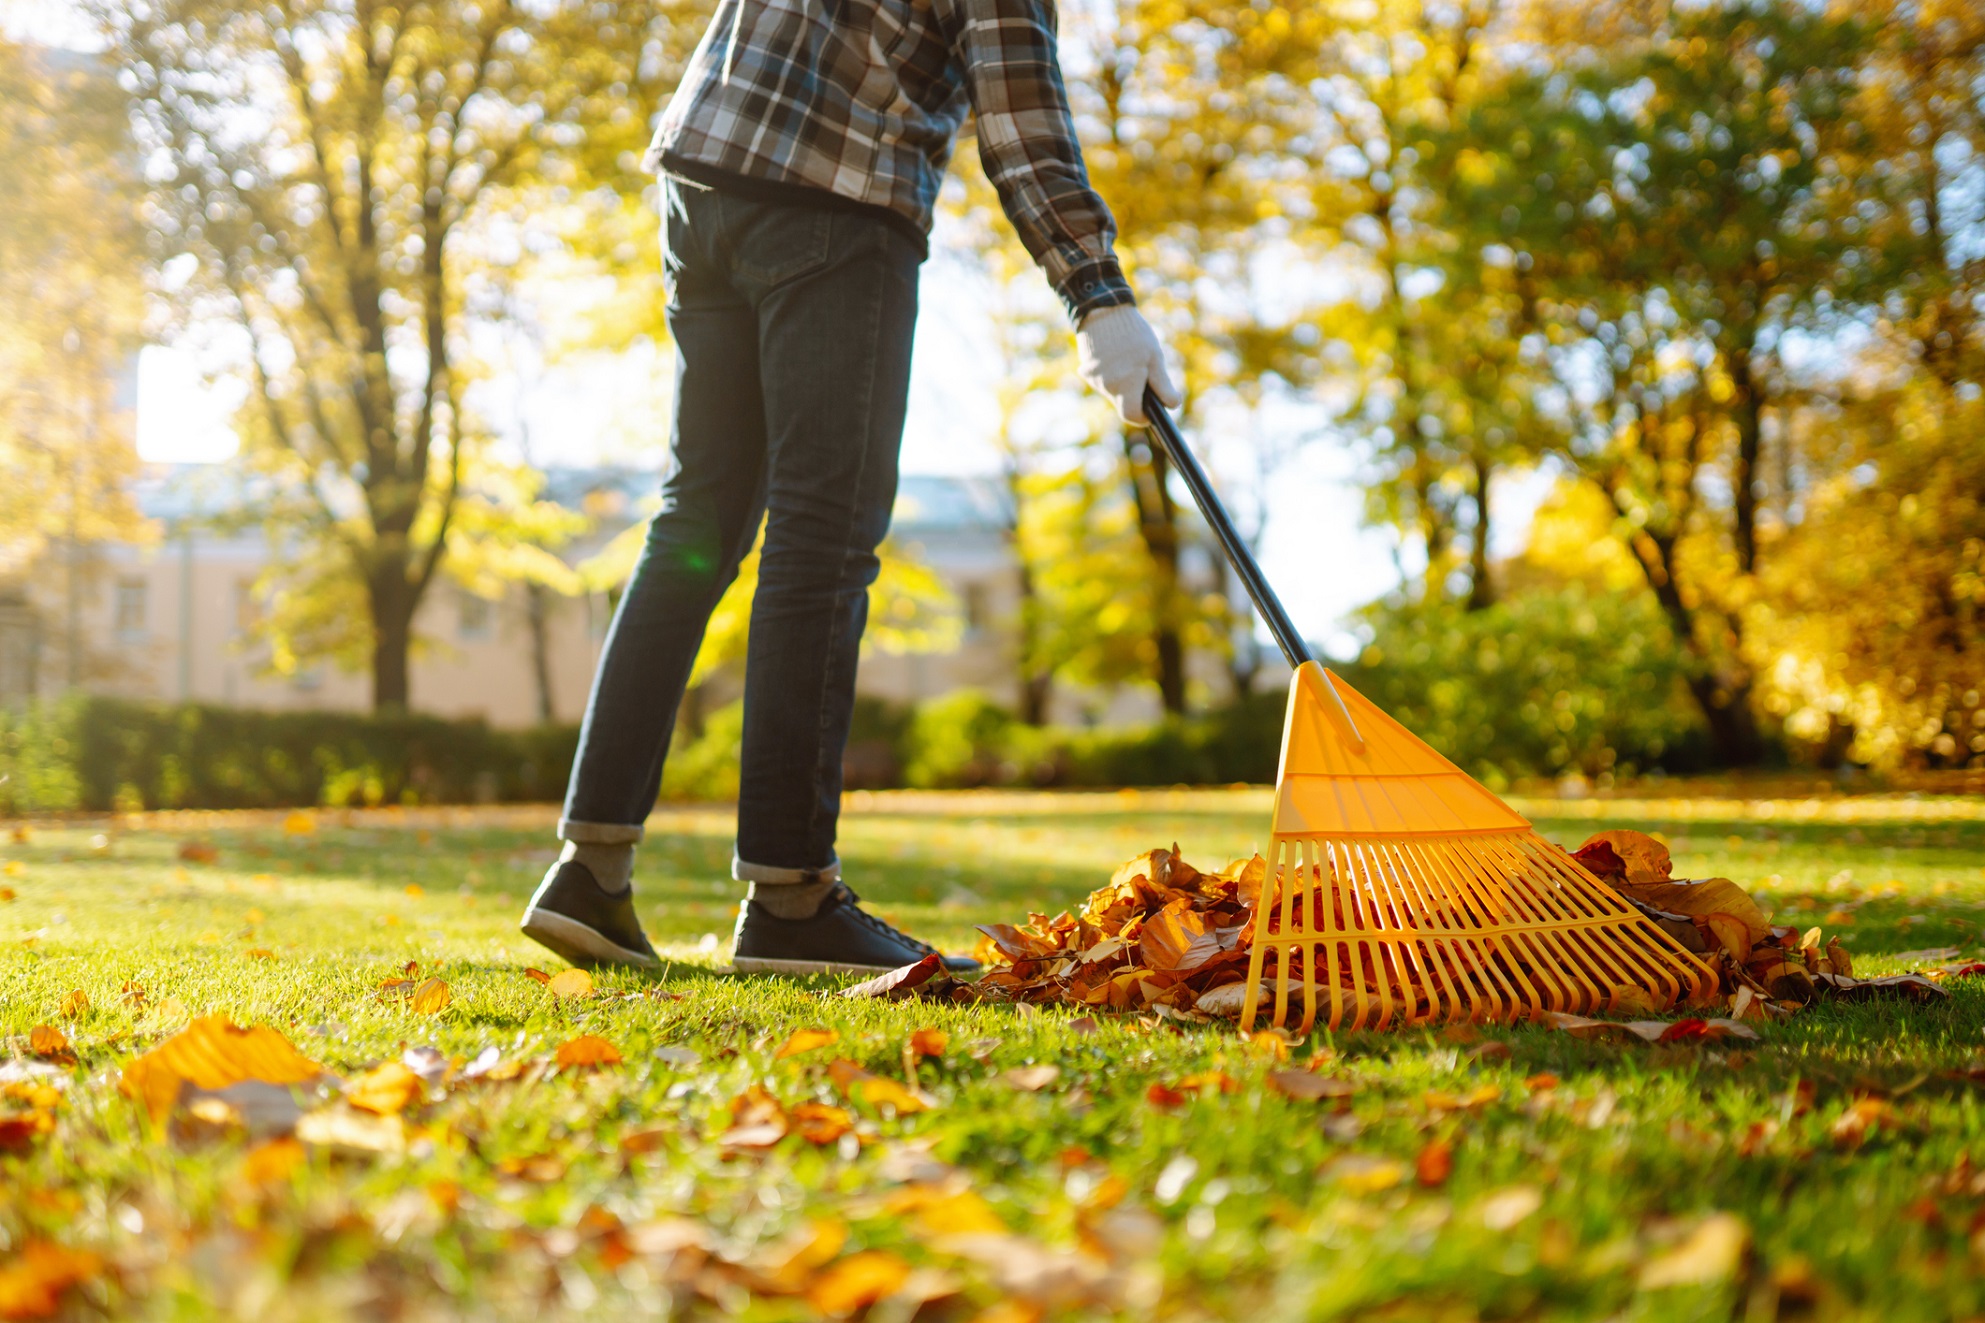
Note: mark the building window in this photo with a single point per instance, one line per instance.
(128, 609)
(474, 622)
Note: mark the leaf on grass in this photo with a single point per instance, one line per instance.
(856, 1282)
(932, 1042)
(588, 1050)
(299, 823)
(1642, 860)
(259, 953)
(1209, 1081)
(197, 852)
(34, 1281)
(898, 983)
(386, 1090)
(789, 1266)
(431, 997)
(821, 1123)
(1435, 1163)
(1852, 1126)
(571, 983)
(757, 1120)
(51, 1044)
(805, 1040)
(875, 1090)
(1648, 1031)
(272, 1162)
(1307, 1086)
(1030, 1079)
(1905, 987)
(75, 1004)
(211, 1053)
(537, 975)
(1364, 1173)
(1506, 1208)
(348, 1129)
(1159, 1095)
(1712, 1253)
(645, 1141)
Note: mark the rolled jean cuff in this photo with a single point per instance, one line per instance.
(600, 833)
(766, 874)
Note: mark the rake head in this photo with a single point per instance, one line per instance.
(1400, 891)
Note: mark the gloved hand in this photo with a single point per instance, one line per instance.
(1118, 354)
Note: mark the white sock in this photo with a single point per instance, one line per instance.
(612, 866)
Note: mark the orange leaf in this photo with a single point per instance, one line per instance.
(876, 1090)
(75, 1004)
(1214, 1080)
(45, 1040)
(820, 1123)
(805, 1040)
(856, 1282)
(1306, 1086)
(387, 1089)
(571, 983)
(588, 1050)
(537, 974)
(259, 953)
(1160, 1096)
(266, 1164)
(757, 1120)
(1434, 1164)
(431, 997)
(32, 1284)
(212, 1053)
(931, 1042)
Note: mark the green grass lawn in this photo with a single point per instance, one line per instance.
(1624, 1190)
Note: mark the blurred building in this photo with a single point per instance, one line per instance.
(173, 619)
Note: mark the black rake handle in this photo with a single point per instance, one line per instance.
(1265, 601)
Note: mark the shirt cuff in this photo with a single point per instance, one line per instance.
(1092, 285)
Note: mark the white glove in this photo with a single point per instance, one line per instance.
(1118, 354)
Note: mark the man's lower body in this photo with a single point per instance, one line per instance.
(793, 328)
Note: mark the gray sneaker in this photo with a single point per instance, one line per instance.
(570, 915)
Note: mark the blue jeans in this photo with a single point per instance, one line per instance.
(792, 326)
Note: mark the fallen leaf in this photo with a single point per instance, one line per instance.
(259, 953)
(1506, 1208)
(537, 975)
(1158, 1095)
(1852, 1126)
(1643, 861)
(757, 1120)
(46, 1041)
(856, 1282)
(34, 1281)
(1435, 1163)
(899, 983)
(1542, 1082)
(805, 1040)
(75, 1004)
(299, 823)
(272, 1161)
(932, 1042)
(346, 1128)
(645, 1141)
(211, 1053)
(1712, 1253)
(386, 1090)
(588, 1050)
(1030, 1079)
(1307, 1086)
(789, 1266)
(431, 997)
(197, 852)
(571, 983)
(821, 1123)
(1364, 1173)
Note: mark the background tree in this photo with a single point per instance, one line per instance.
(331, 166)
(71, 314)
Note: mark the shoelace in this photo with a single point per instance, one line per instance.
(846, 895)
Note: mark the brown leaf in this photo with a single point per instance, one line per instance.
(1643, 860)
(75, 1004)
(645, 1141)
(757, 1120)
(931, 1042)
(1435, 1163)
(34, 1281)
(45, 1040)
(1307, 1086)
(1160, 1095)
(898, 983)
(537, 975)
(1837, 959)
(1030, 1079)
(571, 983)
(1906, 987)
(431, 997)
(1852, 1126)
(272, 1162)
(386, 1090)
(805, 1040)
(588, 1050)
(821, 1123)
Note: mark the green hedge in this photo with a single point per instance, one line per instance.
(99, 754)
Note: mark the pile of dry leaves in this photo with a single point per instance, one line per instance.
(1167, 937)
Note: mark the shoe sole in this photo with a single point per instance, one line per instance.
(756, 965)
(579, 944)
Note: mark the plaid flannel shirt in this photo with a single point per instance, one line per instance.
(864, 99)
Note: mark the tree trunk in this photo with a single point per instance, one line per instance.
(1158, 525)
(1722, 692)
(537, 613)
(1481, 592)
(393, 603)
(1747, 410)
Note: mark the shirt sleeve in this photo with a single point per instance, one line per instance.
(1028, 145)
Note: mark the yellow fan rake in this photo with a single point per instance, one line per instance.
(1400, 891)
